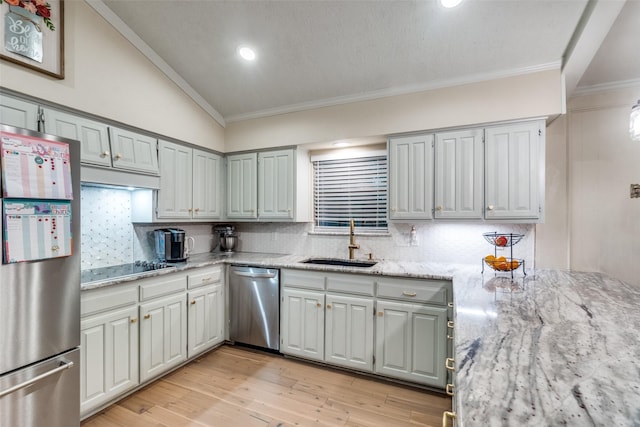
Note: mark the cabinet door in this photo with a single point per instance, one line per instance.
(275, 184)
(109, 356)
(242, 186)
(133, 151)
(163, 335)
(93, 136)
(174, 196)
(349, 331)
(411, 177)
(302, 323)
(411, 342)
(18, 113)
(207, 185)
(514, 170)
(206, 319)
(459, 176)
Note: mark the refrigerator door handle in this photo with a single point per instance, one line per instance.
(62, 367)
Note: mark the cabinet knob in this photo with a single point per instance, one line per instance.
(380, 313)
(490, 207)
(147, 316)
(328, 305)
(134, 319)
(193, 302)
(197, 209)
(318, 305)
(118, 156)
(450, 364)
(104, 154)
(445, 417)
(393, 209)
(438, 208)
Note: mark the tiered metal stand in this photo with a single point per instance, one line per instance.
(503, 264)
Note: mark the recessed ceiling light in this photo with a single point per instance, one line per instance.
(247, 53)
(450, 3)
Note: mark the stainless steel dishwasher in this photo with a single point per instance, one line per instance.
(254, 305)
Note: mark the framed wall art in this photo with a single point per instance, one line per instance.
(32, 34)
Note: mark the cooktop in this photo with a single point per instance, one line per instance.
(122, 270)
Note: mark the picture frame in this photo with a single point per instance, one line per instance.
(32, 35)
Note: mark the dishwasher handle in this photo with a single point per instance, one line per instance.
(267, 275)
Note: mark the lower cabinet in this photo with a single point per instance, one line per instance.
(205, 324)
(302, 323)
(163, 335)
(109, 356)
(411, 342)
(349, 331)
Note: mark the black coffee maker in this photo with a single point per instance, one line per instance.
(170, 244)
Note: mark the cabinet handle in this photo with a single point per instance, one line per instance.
(380, 313)
(450, 324)
(329, 306)
(409, 294)
(197, 209)
(134, 319)
(104, 154)
(450, 364)
(147, 316)
(118, 156)
(449, 389)
(190, 210)
(206, 279)
(193, 302)
(449, 337)
(490, 207)
(445, 417)
(450, 304)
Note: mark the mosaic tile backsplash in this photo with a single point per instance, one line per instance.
(109, 238)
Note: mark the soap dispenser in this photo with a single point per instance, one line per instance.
(413, 236)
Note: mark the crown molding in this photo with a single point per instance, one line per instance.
(603, 87)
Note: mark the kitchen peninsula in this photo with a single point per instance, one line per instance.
(553, 348)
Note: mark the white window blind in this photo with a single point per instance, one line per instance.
(351, 188)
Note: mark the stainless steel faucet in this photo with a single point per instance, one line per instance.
(352, 239)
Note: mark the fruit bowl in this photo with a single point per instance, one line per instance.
(502, 263)
(503, 240)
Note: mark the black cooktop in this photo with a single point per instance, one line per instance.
(122, 270)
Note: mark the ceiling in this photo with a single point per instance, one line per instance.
(323, 52)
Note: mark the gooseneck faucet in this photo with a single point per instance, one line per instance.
(352, 239)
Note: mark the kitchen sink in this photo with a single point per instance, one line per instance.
(340, 262)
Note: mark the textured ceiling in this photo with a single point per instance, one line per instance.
(319, 52)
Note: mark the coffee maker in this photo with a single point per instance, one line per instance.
(170, 244)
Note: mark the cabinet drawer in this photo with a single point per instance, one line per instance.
(109, 298)
(429, 291)
(302, 279)
(203, 277)
(363, 285)
(162, 285)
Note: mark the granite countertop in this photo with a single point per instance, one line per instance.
(552, 348)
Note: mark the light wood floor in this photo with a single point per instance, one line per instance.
(235, 386)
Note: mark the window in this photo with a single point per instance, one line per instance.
(350, 188)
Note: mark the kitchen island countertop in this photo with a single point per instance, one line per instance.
(552, 348)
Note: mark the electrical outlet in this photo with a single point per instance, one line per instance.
(635, 191)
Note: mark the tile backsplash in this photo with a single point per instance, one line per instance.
(109, 238)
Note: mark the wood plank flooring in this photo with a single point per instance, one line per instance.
(236, 386)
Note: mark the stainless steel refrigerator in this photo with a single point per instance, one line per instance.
(40, 327)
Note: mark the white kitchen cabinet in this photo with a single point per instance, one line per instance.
(459, 172)
(514, 171)
(109, 356)
(18, 113)
(411, 342)
(242, 186)
(205, 318)
(93, 136)
(133, 151)
(302, 323)
(163, 335)
(276, 185)
(411, 177)
(349, 331)
(190, 182)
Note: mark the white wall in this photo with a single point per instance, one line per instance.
(604, 222)
(106, 76)
(530, 95)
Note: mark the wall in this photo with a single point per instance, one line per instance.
(106, 76)
(530, 95)
(604, 221)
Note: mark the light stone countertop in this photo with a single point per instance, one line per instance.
(553, 348)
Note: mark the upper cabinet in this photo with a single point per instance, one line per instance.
(19, 113)
(459, 162)
(268, 186)
(411, 177)
(514, 177)
(190, 183)
(133, 151)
